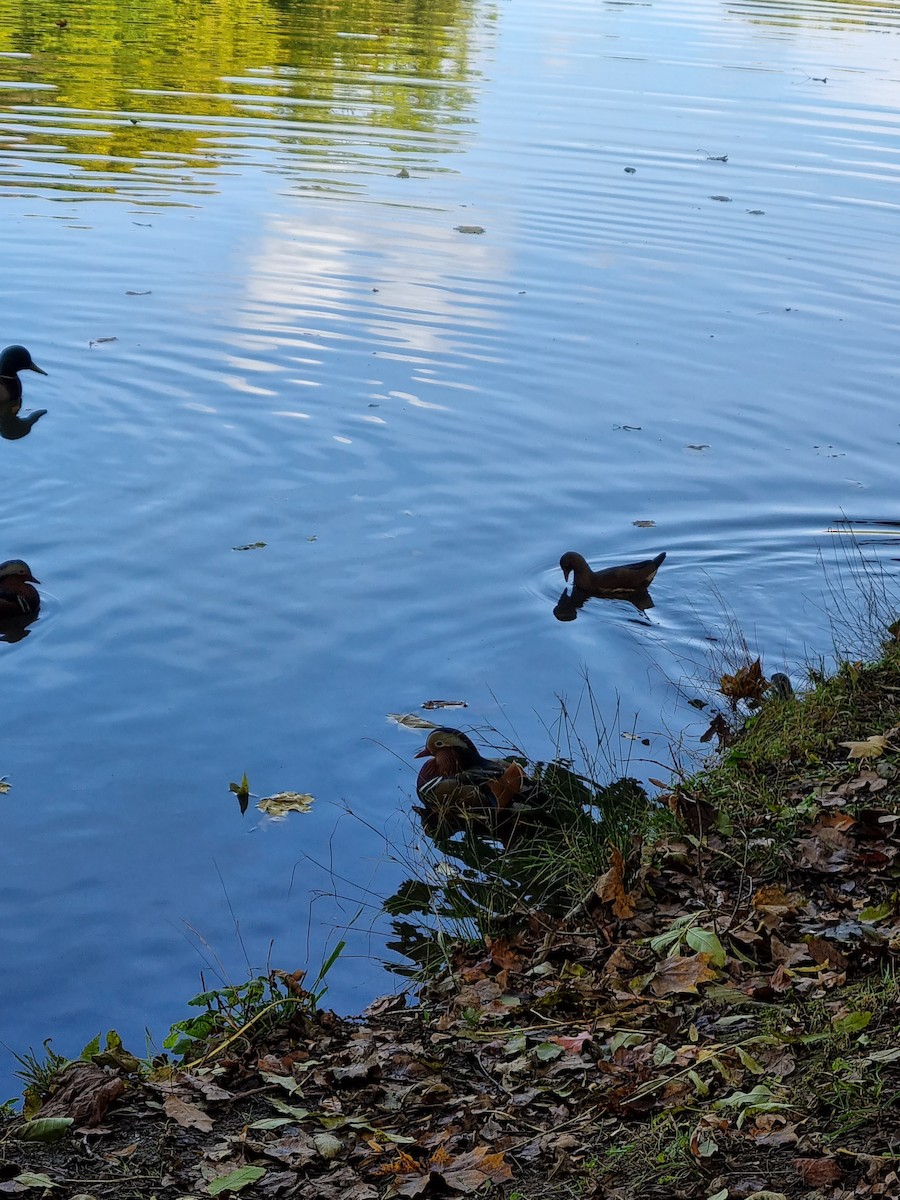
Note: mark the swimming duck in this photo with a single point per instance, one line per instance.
(458, 783)
(12, 360)
(632, 577)
(17, 597)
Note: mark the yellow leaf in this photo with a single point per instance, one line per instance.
(870, 748)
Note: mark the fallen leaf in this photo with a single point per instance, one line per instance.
(747, 683)
(282, 803)
(818, 1171)
(83, 1092)
(872, 747)
(188, 1116)
(610, 886)
(445, 704)
(235, 1181)
(644, 524)
(469, 228)
(411, 721)
(681, 974)
(251, 546)
(42, 1129)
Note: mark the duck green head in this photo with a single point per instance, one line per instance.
(16, 358)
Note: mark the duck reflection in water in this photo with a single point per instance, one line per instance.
(20, 602)
(13, 427)
(13, 360)
(628, 582)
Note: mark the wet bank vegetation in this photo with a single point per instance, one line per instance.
(692, 993)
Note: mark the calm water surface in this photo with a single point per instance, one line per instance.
(259, 202)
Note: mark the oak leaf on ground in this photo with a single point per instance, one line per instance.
(681, 973)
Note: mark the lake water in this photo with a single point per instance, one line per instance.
(234, 234)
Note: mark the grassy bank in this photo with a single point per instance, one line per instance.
(695, 997)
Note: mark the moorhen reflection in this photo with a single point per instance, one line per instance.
(567, 606)
(458, 785)
(13, 427)
(20, 602)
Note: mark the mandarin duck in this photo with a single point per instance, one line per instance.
(17, 597)
(632, 577)
(13, 360)
(458, 783)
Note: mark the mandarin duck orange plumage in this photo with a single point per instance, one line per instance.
(458, 785)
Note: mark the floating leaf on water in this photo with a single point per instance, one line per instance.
(242, 791)
(411, 721)
(251, 546)
(312, 538)
(756, 212)
(469, 228)
(138, 293)
(5, 785)
(724, 199)
(631, 170)
(697, 446)
(282, 803)
(644, 524)
(445, 704)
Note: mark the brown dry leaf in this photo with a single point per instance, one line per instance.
(610, 886)
(818, 1171)
(188, 1116)
(469, 1171)
(776, 901)
(573, 1044)
(872, 747)
(84, 1092)
(747, 683)
(788, 955)
(295, 1150)
(830, 859)
(825, 953)
(681, 974)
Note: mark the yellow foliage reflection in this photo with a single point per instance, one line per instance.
(149, 85)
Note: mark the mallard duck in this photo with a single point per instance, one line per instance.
(632, 577)
(12, 360)
(17, 597)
